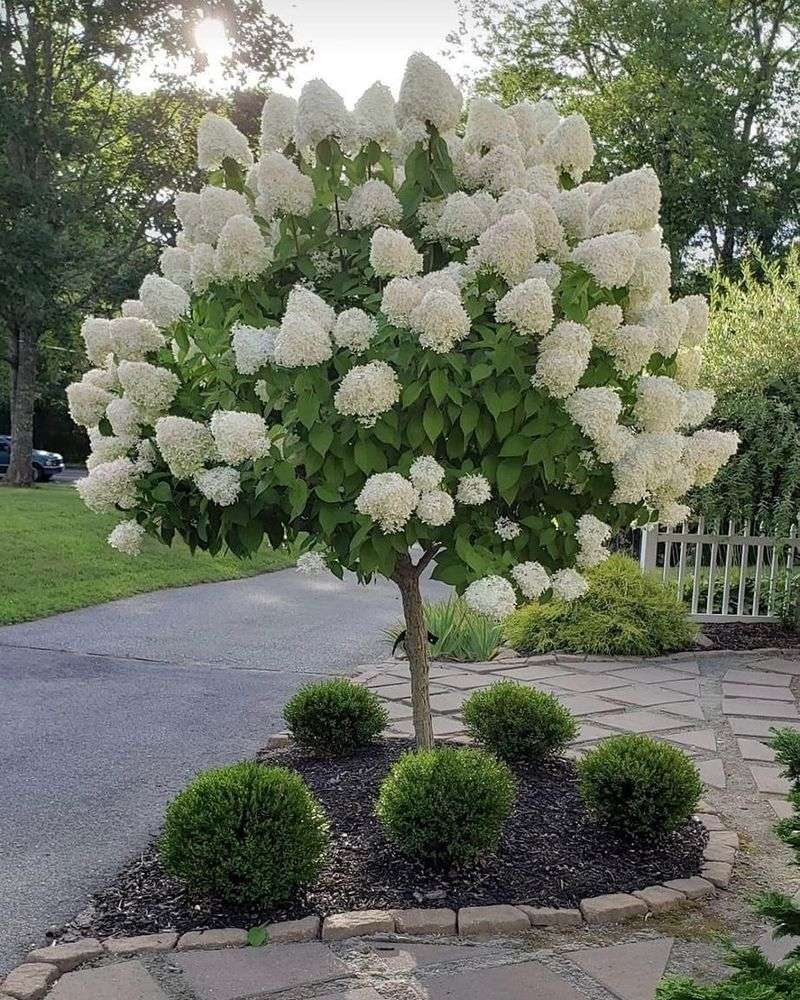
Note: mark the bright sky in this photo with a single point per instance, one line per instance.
(355, 42)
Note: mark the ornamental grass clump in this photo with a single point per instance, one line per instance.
(639, 787)
(420, 345)
(445, 807)
(335, 717)
(518, 723)
(246, 834)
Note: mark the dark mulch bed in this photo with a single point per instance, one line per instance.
(551, 854)
(749, 635)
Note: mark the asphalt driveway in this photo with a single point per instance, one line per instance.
(107, 711)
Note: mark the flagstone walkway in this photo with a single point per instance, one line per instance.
(718, 708)
(382, 969)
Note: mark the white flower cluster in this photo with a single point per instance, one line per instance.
(125, 417)
(218, 139)
(531, 578)
(427, 94)
(568, 584)
(321, 114)
(304, 336)
(253, 347)
(164, 302)
(127, 538)
(563, 358)
(105, 449)
(96, 333)
(109, 485)
(592, 535)
(239, 436)
(242, 252)
(393, 254)
(282, 188)
(507, 529)
(374, 116)
(508, 247)
(629, 201)
(133, 338)
(367, 391)
(147, 386)
(202, 216)
(440, 320)
(389, 499)
(87, 402)
(491, 596)
(311, 563)
(176, 264)
(426, 473)
(659, 467)
(354, 329)
(473, 490)
(610, 259)
(372, 204)
(435, 507)
(185, 445)
(222, 485)
(277, 122)
(529, 306)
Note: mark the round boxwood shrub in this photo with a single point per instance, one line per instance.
(335, 717)
(624, 613)
(517, 722)
(446, 806)
(246, 834)
(639, 787)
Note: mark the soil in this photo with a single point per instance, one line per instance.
(551, 854)
(748, 635)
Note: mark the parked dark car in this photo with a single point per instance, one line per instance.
(46, 464)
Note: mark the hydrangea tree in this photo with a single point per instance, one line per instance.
(416, 347)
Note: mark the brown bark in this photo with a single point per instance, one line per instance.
(406, 576)
(22, 355)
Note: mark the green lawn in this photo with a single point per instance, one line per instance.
(54, 557)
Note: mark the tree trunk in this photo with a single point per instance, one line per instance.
(406, 576)
(23, 394)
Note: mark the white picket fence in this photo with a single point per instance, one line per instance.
(733, 576)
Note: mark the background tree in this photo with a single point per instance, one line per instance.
(706, 91)
(87, 168)
(417, 368)
(752, 362)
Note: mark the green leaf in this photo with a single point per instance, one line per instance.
(480, 372)
(514, 446)
(321, 437)
(469, 417)
(162, 492)
(328, 493)
(369, 457)
(439, 384)
(508, 474)
(307, 408)
(298, 495)
(257, 936)
(432, 421)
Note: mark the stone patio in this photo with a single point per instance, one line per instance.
(682, 699)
